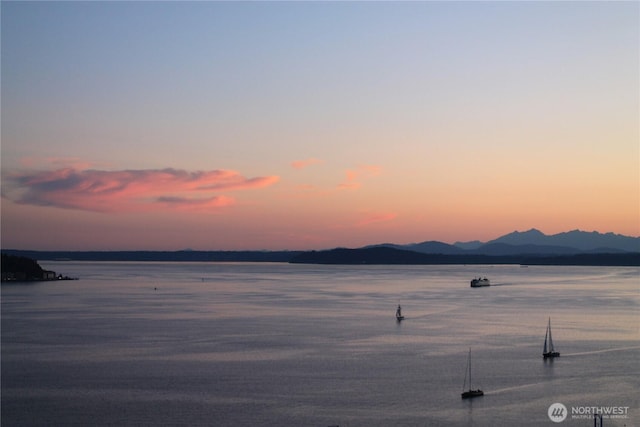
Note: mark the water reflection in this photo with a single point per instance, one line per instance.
(314, 345)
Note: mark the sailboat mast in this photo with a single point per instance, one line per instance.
(470, 392)
(550, 339)
(469, 369)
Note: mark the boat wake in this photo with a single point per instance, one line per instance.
(517, 387)
(607, 350)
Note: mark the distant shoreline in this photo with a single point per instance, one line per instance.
(363, 256)
(151, 256)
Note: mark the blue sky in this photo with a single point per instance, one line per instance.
(418, 108)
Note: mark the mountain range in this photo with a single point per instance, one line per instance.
(528, 247)
(531, 242)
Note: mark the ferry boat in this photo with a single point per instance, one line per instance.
(479, 282)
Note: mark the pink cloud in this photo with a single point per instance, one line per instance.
(354, 176)
(56, 162)
(349, 185)
(301, 164)
(129, 190)
(206, 203)
(375, 218)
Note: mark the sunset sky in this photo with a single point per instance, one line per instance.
(311, 125)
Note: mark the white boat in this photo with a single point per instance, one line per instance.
(479, 282)
(466, 394)
(549, 351)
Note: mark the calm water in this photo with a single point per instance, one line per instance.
(277, 344)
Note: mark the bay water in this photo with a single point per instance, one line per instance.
(273, 344)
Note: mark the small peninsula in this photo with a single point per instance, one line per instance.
(23, 269)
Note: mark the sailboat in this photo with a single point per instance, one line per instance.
(549, 351)
(399, 316)
(469, 393)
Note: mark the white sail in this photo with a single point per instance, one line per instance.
(550, 339)
(549, 349)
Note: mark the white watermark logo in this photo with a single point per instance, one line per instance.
(606, 412)
(557, 412)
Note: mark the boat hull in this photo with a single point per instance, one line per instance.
(479, 283)
(399, 318)
(550, 354)
(472, 393)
